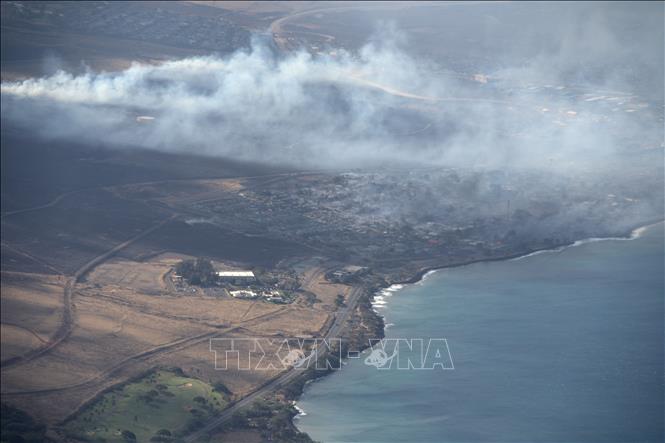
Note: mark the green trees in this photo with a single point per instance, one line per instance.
(197, 272)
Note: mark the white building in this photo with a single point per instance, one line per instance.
(243, 294)
(235, 275)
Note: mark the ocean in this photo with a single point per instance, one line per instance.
(558, 346)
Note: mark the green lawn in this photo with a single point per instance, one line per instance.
(161, 400)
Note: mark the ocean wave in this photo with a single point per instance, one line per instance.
(426, 276)
(379, 299)
(301, 411)
(635, 234)
(541, 251)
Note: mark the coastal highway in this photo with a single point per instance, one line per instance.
(281, 380)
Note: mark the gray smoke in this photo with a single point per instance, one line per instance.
(378, 105)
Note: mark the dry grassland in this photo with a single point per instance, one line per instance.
(128, 321)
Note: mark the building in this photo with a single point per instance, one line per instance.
(243, 294)
(236, 277)
(345, 274)
(273, 296)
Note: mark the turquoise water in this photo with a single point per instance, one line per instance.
(562, 346)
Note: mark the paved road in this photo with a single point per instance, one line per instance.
(281, 380)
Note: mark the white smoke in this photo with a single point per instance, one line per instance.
(333, 110)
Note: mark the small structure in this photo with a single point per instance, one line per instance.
(273, 296)
(243, 293)
(347, 273)
(339, 274)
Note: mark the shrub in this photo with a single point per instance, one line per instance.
(128, 435)
(221, 388)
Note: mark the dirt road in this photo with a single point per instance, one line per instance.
(67, 319)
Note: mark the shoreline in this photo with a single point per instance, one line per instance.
(421, 275)
(633, 233)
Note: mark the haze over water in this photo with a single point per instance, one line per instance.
(563, 346)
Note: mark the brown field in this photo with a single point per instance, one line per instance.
(177, 192)
(127, 320)
(140, 286)
(314, 281)
(31, 306)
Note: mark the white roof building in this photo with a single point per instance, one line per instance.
(235, 274)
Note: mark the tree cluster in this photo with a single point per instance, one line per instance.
(198, 272)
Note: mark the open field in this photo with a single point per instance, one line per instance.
(126, 322)
(105, 333)
(326, 292)
(139, 286)
(161, 400)
(31, 307)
